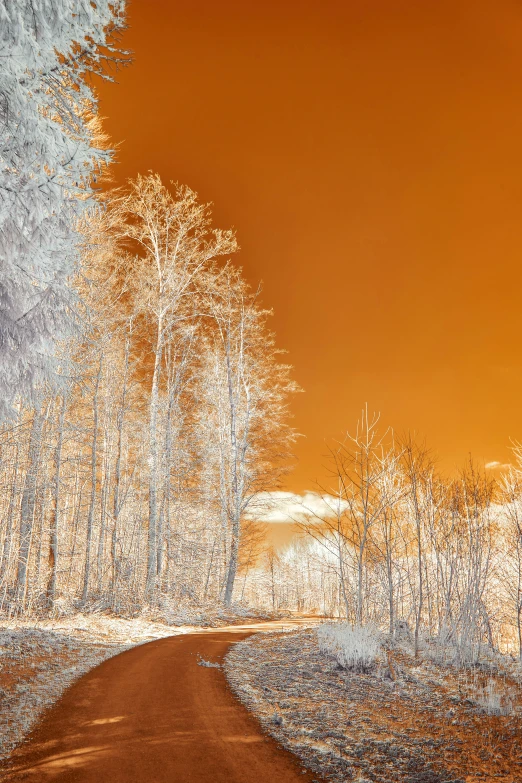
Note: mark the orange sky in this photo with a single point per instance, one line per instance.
(369, 154)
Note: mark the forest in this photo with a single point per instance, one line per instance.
(132, 482)
(148, 439)
(147, 407)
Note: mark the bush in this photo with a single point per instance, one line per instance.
(353, 646)
(494, 698)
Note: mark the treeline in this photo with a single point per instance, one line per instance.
(130, 485)
(407, 549)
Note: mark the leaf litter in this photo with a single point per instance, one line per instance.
(404, 720)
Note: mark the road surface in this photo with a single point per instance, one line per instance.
(153, 715)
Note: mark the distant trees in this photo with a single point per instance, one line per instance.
(510, 571)
(51, 147)
(361, 467)
(399, 545)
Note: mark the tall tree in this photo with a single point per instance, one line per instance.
(175, 244)
(50, 149)
(245, 390)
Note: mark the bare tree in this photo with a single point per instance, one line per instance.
(246, 393)
(174, 243)
(359, 465)
(511, 565)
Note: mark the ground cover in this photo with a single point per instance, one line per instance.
(403, 720)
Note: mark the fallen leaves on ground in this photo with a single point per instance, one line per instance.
(425, 726)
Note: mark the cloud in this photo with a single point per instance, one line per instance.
(288, 507)
(495, 465)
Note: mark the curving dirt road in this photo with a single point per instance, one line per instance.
(152, 715)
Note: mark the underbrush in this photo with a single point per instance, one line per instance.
(173, 613)
(161, 608)
(353, 646)
(38, 663)
(495, 697)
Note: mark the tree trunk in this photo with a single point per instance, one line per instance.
(418, 615)
(236, 467)
(359, 617)
(152, 556)
(92, 503)
(55, 527)
(391, 603)
(519, 629)
(28, 505)
(103, 517)
(233, 562)
(8, 534)
(116, 504)
(343, 581)
(39, 530)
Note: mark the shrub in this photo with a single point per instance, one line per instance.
(494, 698)
(353, 646)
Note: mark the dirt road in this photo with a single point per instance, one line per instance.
(152, 715)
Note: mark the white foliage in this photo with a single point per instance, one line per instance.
(209, 664)
(353, 646)
(48, 154)
(494, 698)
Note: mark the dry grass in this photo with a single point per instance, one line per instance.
(403, 721)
